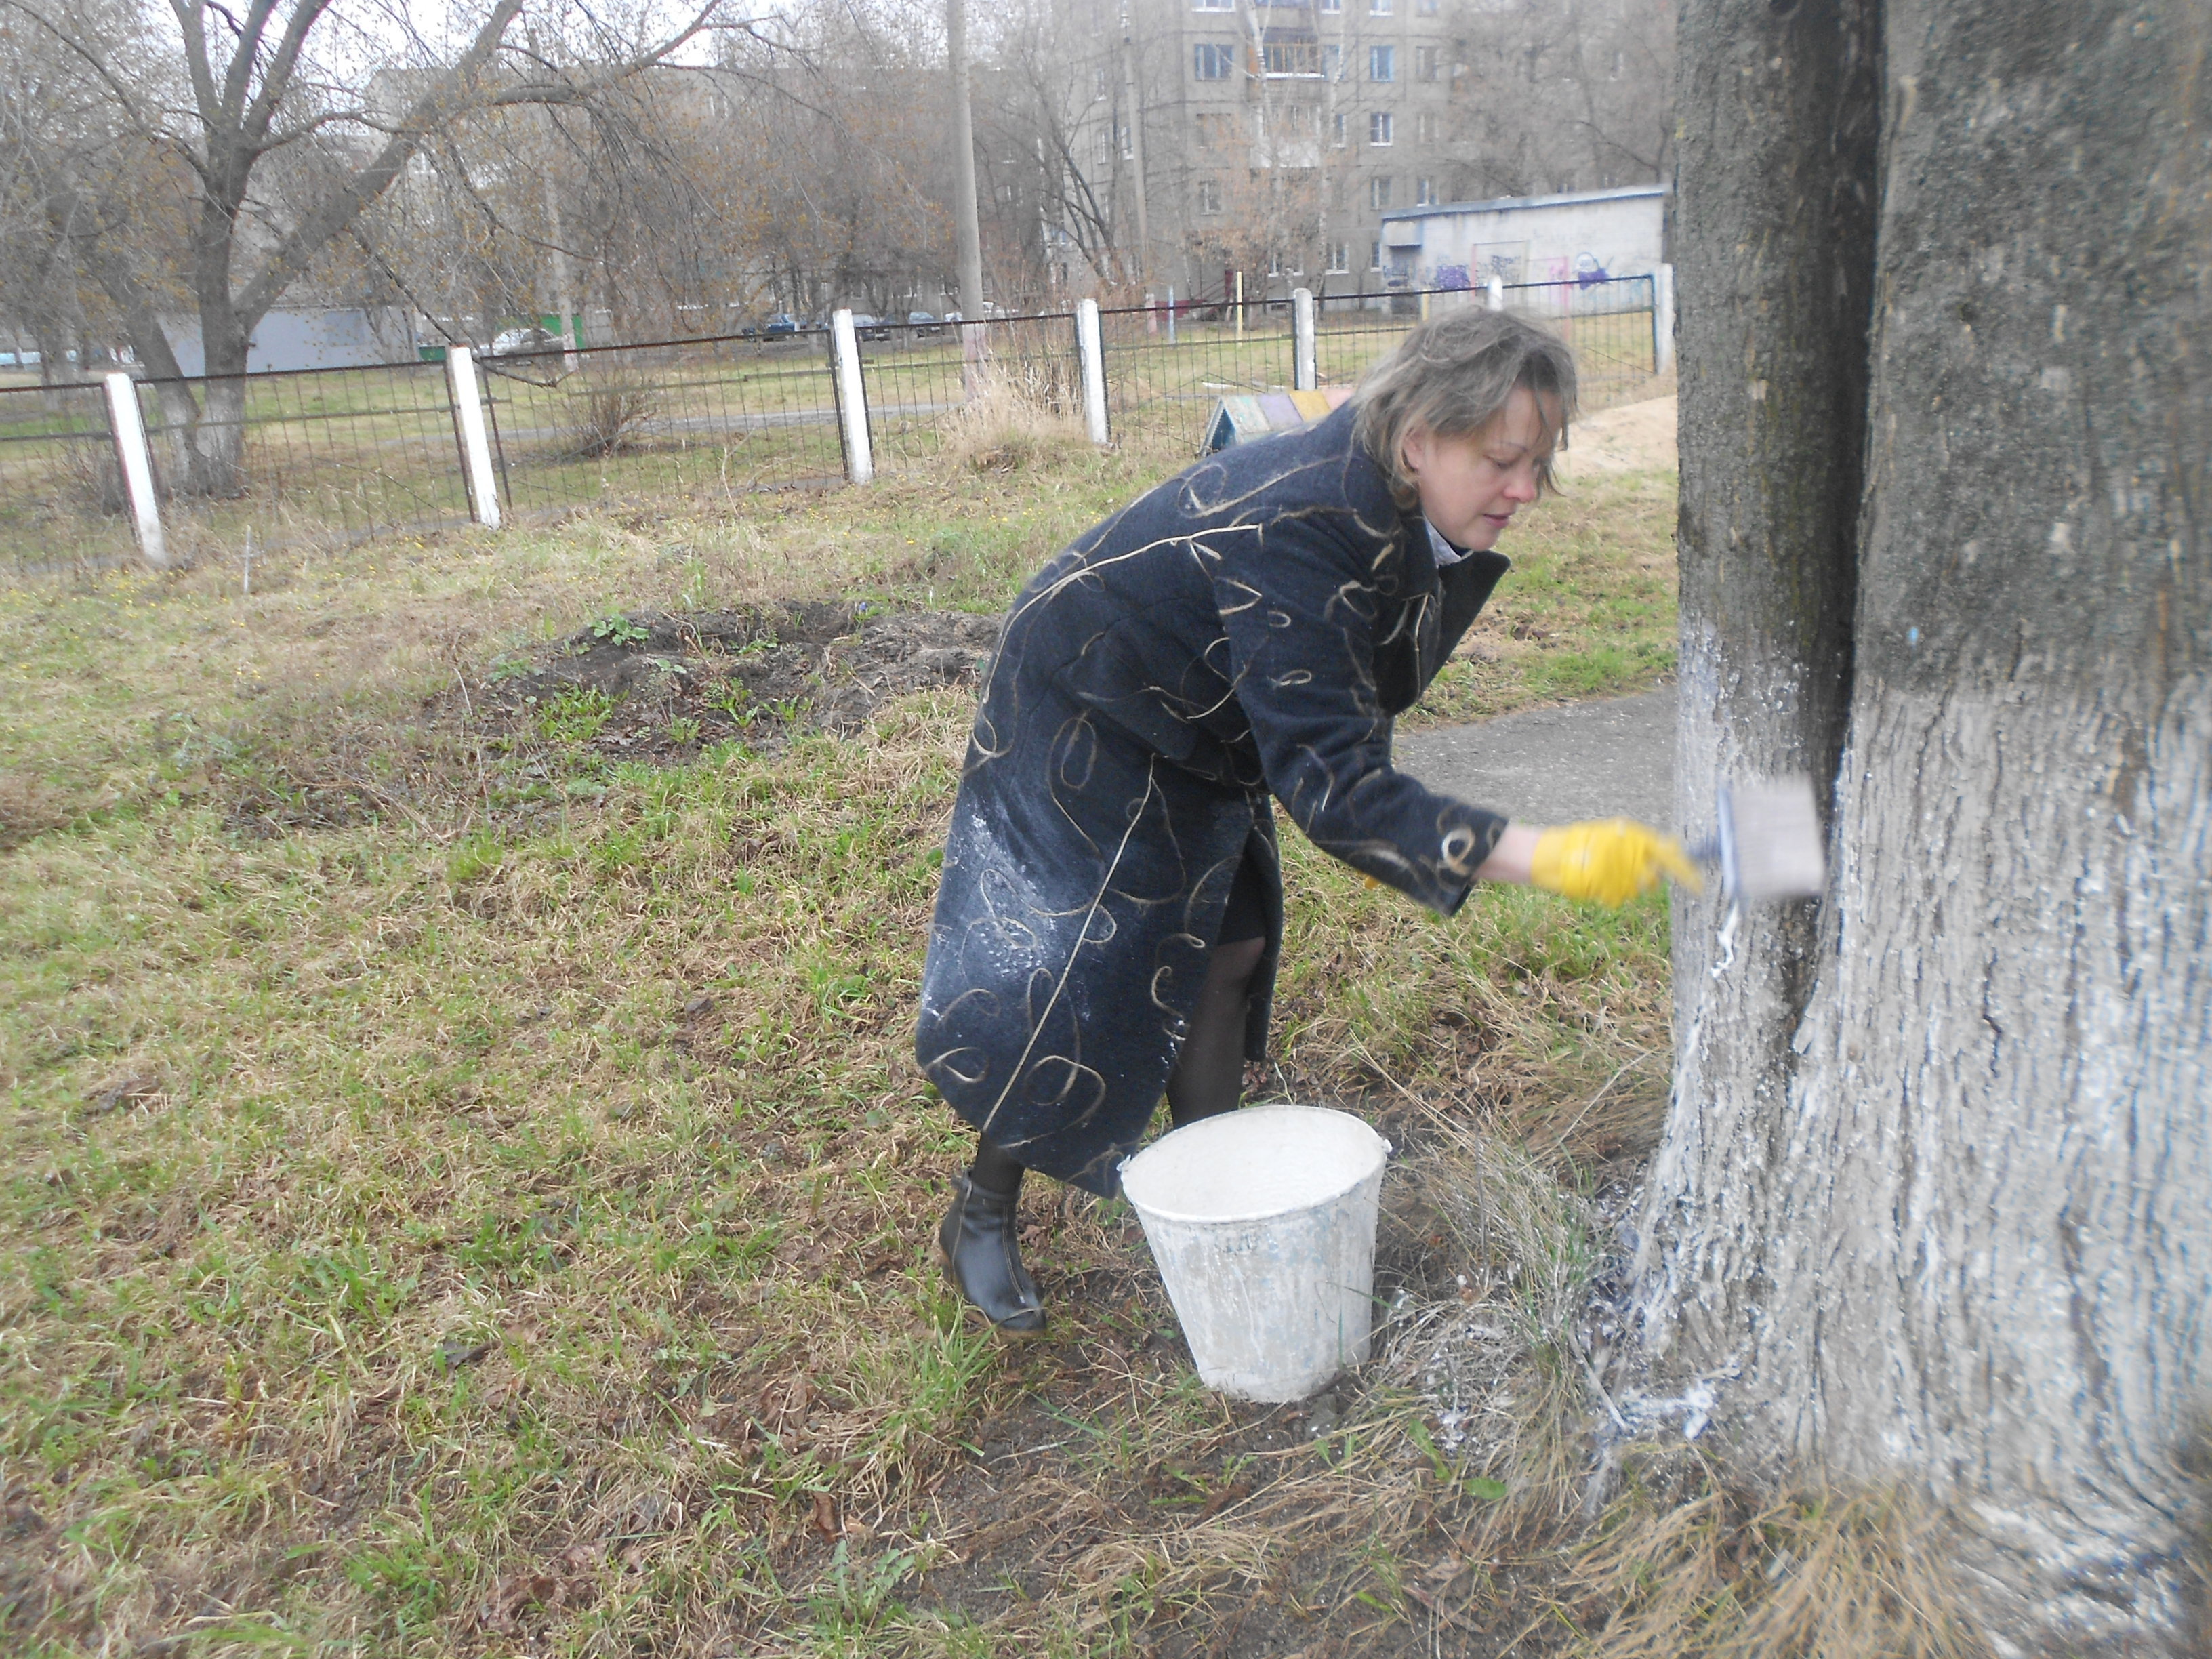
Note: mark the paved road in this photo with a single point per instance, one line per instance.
(1550, 765)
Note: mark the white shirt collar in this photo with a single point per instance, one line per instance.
(1444, 552)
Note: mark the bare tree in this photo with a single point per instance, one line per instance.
(1567, 94)
(255, 118)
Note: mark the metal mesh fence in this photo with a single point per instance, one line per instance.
(686, 419)
(1610, 331)
(336, 453)
(1165, 374)
(317, 454)
(925, 399)
(61, 493)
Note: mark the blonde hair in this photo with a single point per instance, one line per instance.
(1453, 375)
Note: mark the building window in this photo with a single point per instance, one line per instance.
(1215, 132)
(1213, 5)
(1380, 126)
(1332, 62)
(1128, 139)
(1378, 194)
(1378, 8)
(1375, 254)
(1105, 143)
(1424, 126)
(1210, 63)
(1338, 134)
(1424, 193)
(1098, 83)
(1425, 61)
(1298, 58)
(1209, 195)
(1332, 5)
(1340, 257)
(1426, 8)
(1382, 63)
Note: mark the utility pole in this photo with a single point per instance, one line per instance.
(968, 235)
(564, 302)
(1134, 110)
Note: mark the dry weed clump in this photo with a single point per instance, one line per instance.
(1010, 422)
(612, 415)
(1695, 1565)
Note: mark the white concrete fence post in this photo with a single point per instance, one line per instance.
(137, 463)
(1497, 294)
(1304, 374)
(1662, 319)
(476, 446)
(1091, 353)
(853, 397)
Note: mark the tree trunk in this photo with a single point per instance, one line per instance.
(1956, 1228)
(219, 439)
(1774, 250)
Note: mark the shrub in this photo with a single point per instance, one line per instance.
(613, 413)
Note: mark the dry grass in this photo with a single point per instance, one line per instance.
(1011, 423)
(1694, 1566)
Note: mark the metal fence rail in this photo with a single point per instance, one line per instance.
(333, 454)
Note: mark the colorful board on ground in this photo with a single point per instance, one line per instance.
(1243, 417)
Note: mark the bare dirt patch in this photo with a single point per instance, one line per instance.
(667, 683)
(1628, 438)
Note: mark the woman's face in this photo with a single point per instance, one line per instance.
(1472, 485)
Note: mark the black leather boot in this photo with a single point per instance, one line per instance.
(984, 1258)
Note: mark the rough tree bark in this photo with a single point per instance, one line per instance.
(1936, 1196)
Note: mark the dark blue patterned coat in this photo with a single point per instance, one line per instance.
(1248, 629)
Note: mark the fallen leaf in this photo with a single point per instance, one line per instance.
(121, 1092)
(456, 1352)
(824, 1518)
(1446, 1569)
(511, 1594)
(1436, 1607)
(1235, 1493)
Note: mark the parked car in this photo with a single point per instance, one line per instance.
(780, 325)
(517, 342)
(921, 322)
(868, 327)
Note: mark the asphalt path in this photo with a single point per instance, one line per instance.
(1611, 756)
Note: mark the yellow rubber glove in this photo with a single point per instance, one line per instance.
(1609, 860)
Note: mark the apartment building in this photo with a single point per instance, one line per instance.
(1269, 137)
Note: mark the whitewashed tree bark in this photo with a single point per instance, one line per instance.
(1934, 1200)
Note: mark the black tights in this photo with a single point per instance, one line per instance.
(1209, 1073)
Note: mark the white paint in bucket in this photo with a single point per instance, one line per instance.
(1262, 1222)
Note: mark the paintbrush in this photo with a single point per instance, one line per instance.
(1766, 842)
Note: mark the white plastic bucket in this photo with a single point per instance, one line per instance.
(1262, 1222)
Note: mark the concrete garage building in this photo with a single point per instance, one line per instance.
(305, 339)
(1582, 238)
